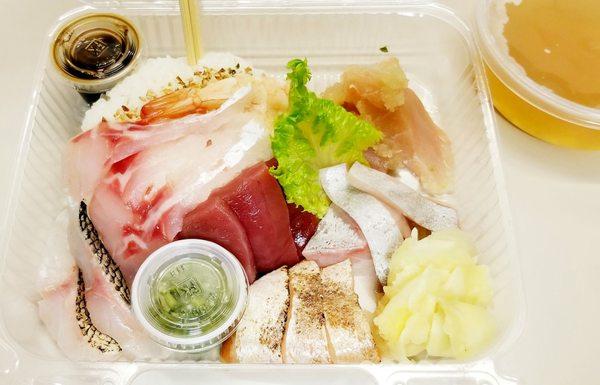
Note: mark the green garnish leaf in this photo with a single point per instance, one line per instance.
(315, 133)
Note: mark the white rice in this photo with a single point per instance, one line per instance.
(153, 76)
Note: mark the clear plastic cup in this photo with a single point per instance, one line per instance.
(530, 106)
(96, 50)
(190, 295)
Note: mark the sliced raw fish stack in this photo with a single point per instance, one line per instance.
(414, 205)
(249, 217)
(381, 226)
(215, 221)
(141, 180)
(257, 200)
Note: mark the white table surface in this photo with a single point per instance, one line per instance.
(554, 197)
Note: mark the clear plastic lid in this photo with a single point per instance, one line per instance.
(96, 50)
(190, 295)
(491, 19)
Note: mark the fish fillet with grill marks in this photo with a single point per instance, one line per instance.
(260, 332)
(305, 340)
(348, 329)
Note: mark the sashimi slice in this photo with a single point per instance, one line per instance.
(257, 200)
(366, 284)
(305, 340)
(379, 94)
(214, 221)
(107, 294)
(411, 136)
(336, 239)
(380, 225)
(259, 335)
(91, 154)
(348, 329)
(63, 308)
(139, 205)
(303, 225)
(423, 211)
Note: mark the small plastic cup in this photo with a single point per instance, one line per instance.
(530, 106)
(94, 51)
(190, 295)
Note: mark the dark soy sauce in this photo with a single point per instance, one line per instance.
(97, 54)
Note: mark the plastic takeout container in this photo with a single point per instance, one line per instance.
(528, 105)
(438, 52)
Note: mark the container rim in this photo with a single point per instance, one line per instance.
(514, 77)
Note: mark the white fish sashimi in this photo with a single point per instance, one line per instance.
(259, 335)
(348, 328)
(63, 311)
(423, 211)
(107, 295)
(337, 238)
(366, 283)
(62, 307)
(380, 225)
(305, 340)
(91, 154)
(147, 179)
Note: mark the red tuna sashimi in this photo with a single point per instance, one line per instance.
(303, 225)
(257, 200)
(214, 221)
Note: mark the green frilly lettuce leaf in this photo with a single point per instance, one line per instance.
(313, 134)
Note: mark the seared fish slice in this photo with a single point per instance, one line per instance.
(97, 340)
(107, 294)
(63, 310)
(423, 211)
(348, 329)
(305, 340)
(260, 333)
(63, 307)
(105, 262)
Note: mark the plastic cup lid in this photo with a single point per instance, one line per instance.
(190, 295)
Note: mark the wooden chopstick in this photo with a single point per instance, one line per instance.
(191, 30)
